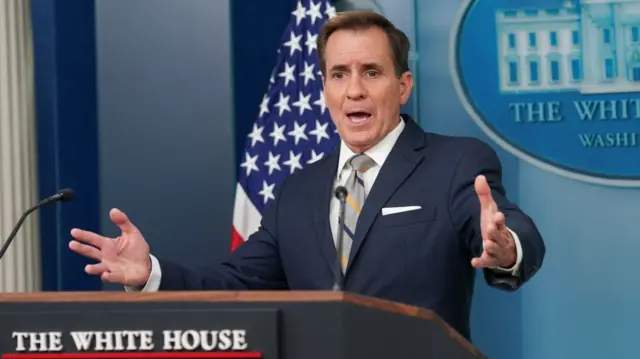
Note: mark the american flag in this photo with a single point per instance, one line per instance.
(293, 127)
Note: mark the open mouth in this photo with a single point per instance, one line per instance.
(358, 116)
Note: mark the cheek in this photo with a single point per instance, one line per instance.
(387, 101)
(333, 108)
(332, 100)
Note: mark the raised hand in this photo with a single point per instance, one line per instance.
(123, 260)
(499, 245)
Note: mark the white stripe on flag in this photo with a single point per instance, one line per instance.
(246, 217)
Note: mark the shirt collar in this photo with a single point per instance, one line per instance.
(378, 153)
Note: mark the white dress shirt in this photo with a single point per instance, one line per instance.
(379, 154)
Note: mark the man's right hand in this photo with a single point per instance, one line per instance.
(123, 260)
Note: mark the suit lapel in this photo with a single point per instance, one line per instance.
(400, 163)
(321, 201)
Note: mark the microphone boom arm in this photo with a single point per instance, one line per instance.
(15, 230)
(64, 195)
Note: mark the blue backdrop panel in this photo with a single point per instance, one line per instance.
(65, 89)
(166, 124)
(582, 303)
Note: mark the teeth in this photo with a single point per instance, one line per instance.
(360, 118)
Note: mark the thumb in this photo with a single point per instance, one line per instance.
(121, 220)
(484, 192)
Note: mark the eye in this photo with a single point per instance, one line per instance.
(372, 73)
(337, 75)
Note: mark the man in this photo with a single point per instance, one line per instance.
(429, 208)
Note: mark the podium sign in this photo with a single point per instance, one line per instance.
(270, 325)
(244, 333)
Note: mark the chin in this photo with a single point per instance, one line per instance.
(359, 142)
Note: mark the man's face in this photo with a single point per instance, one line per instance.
(361, 91)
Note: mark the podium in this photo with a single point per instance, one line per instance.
(221, 324)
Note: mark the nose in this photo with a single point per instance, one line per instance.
(355, 89)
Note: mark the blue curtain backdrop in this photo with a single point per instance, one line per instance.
(257, 29)
(66, 114)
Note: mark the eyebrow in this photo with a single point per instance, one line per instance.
(366, 66)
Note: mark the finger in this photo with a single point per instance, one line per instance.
(105, 274)
(501, 235)
(492, 249)
(504, 239)
(91, 238)
(484, 193)
(494, 230)
(121, 220)
(484, 261)
(96, 269)
(112, 277)
(499, 220)
(86, 250)
(490, 232)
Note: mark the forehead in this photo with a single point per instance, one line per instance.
(346, 47)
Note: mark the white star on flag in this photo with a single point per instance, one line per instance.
(293, 106)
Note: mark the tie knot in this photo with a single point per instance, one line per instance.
(361, 162)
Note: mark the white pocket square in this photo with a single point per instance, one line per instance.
(393, 210)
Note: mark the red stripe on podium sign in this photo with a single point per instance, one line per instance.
(136, 355)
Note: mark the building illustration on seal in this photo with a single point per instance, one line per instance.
(589, 46)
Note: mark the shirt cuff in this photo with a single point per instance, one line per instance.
(514, 269)
(153, 283)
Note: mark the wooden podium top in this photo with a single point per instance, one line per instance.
(239, 296)
(190, 296)
(220, 296)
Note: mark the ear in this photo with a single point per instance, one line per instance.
(406, 85)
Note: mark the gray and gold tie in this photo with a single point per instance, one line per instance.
(358, 164)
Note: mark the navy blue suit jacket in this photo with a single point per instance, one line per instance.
(420, 257)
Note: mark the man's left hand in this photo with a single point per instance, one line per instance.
(499, 245)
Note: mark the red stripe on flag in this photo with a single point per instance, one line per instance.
(136, 355)
(236, 240)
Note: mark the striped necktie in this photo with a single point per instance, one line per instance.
(358, 164)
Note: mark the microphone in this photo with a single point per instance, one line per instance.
(64, 195)
(341, 194)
